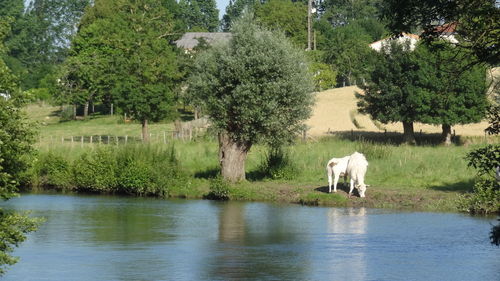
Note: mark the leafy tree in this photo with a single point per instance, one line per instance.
(477, 22)
(40, 38)
(458, 94)
(233, 11)
(349, 53)
(16, 138)
(345, 29)
(287, 16)
(344, 12)
(256, 88)
(391, 95)
(324, 76)
(200, 15)
(122, 47)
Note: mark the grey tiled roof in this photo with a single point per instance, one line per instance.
(189, 39)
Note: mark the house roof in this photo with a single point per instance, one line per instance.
(190, 39)
(446, 29)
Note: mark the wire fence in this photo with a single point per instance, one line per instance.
(164, 137)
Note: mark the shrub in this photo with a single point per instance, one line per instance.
(136, 177)
(54, 171)
(485, 198)
(277, 164)
(219, 189)
(96, 171)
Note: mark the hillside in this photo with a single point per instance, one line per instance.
(335, 111)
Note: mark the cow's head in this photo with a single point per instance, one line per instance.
(361, 189)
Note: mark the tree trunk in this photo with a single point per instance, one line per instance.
(145, 134)
(86, 110)
(408, 135)
(446, 134)
(93, 107)
(196, 113)
(232, 157)
(112, 109)
(74, 111)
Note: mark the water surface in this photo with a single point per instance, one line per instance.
(120, 238)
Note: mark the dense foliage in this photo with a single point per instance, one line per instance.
(199, 15)
(136, 170)
(16, 137)
(41, 32)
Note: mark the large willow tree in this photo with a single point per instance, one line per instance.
(255, 88)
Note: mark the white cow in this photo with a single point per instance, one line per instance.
(337, 167)
(356, 169)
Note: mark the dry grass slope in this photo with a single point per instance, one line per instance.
(332, 113)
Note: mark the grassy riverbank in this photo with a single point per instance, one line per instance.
(410, 177)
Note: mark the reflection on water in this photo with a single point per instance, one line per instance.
(347, 229)
(113, 238)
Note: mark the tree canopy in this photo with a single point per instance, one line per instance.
(477, 22)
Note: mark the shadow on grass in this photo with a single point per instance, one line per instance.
(340, 187)
(461, 187)
(391, 137)
(255, 175)
(209, 173)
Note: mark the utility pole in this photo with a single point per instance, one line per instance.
(309, 24)
(310, 10)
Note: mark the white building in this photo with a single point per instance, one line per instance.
(377, 45)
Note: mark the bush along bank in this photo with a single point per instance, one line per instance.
(134, 170)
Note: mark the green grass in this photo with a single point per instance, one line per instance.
(427, 177)
(410, 177)
(51, 129)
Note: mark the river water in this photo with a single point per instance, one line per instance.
(123, 238)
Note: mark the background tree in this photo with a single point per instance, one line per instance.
(458, 93)
(344, 31)
(391, 94)
(16, 138)
(256, 88)
(233, 11)
(477, 22)
(200, 15)
(287, 16)
(40, 38)
(122, 47)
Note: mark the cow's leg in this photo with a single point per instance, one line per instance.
(335, 181)
(351, 188)
(329, 183)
